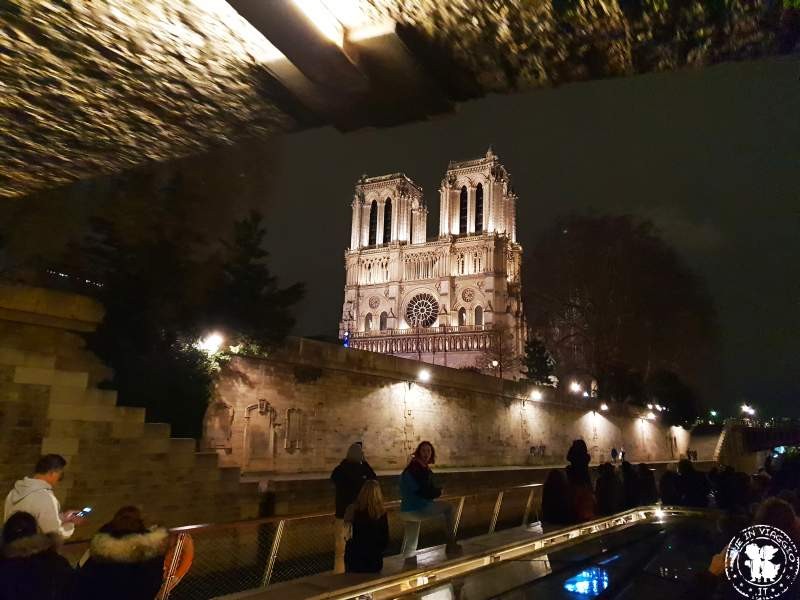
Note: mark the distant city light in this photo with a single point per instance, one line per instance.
(650, 406)
(659, 408)
(604, 406)
(713, 413)
(650, 416)
(748, 410)
(536, 395)
(424, 376)
(211, 343)
(575, 387)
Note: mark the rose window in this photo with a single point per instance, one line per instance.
(422, 311)
(374, 302)
(468, 295)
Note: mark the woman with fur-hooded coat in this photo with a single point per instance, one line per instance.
(31, 566)
(126, 560)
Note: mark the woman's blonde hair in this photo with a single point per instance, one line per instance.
(370, 499)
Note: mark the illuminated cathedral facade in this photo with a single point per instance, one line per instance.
(454, 300)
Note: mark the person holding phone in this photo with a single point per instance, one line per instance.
(35, 495)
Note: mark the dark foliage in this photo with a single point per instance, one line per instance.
(538, 364)
(614, 301)
(162, 290)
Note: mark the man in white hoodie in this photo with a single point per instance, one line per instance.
(35, 495)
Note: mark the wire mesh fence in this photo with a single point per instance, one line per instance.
(227, 559)
(230, 558)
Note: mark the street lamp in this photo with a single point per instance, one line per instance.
(713, 413)
(575, 387)
(211, 343)
(604, 407)
(424, 375)
(748, 410)
(536, 395)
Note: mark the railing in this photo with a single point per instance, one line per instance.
(421, 331)
(233, 557)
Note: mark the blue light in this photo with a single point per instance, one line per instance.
(346, 339)
(590, 582)
(780, 450)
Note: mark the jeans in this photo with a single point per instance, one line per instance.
(340, 529)
(413, 520)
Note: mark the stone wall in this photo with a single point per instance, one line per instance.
(299, 410)
(49, 402)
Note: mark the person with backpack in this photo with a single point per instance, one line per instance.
(348, 477)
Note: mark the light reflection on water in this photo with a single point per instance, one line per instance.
(589, 582)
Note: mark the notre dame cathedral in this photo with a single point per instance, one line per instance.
(454, 300)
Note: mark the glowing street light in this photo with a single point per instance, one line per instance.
(575, 387)
(713, 413)
(604, 407)
(536, 395)
(650, 406)
(211, 343)
(495, 364)
(748, 410)
(424, 376)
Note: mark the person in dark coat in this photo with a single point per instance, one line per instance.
(669, 488)
(608, 490)
(418, 502)
(614, 455)
(126, 560)
(630, 486)
(364, 550)
(348, 477)
(693, 485)
(580, 496)
(31, 566)
(554, 498)
(648, 492)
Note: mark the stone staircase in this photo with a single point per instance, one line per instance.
(50, 402)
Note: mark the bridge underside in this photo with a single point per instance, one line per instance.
(92, 88)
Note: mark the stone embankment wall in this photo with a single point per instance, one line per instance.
(300, 409)
(49, 402)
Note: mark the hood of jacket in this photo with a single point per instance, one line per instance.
(25, 487)
(131, 548)
(28, 546)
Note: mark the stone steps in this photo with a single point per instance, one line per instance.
(115, 457)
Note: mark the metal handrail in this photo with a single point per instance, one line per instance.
(425, 578)
(281, 523)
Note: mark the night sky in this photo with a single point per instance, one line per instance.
(711, 156)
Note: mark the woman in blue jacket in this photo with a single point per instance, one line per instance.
(418, 503)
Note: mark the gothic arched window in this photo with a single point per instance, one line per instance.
(462, 316)
(462, 215)
(387, 221)
(478, 315)
(479, 209)
(373, 222)
(368, 322)
(383, 321)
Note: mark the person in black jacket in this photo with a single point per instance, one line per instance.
(364, 550)
(348, 477)
(126, 560)
(31, 566)
(608, 490)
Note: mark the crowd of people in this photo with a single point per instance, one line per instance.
(126, 559)
(570, 496)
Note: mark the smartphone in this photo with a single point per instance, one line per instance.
(84, 512)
